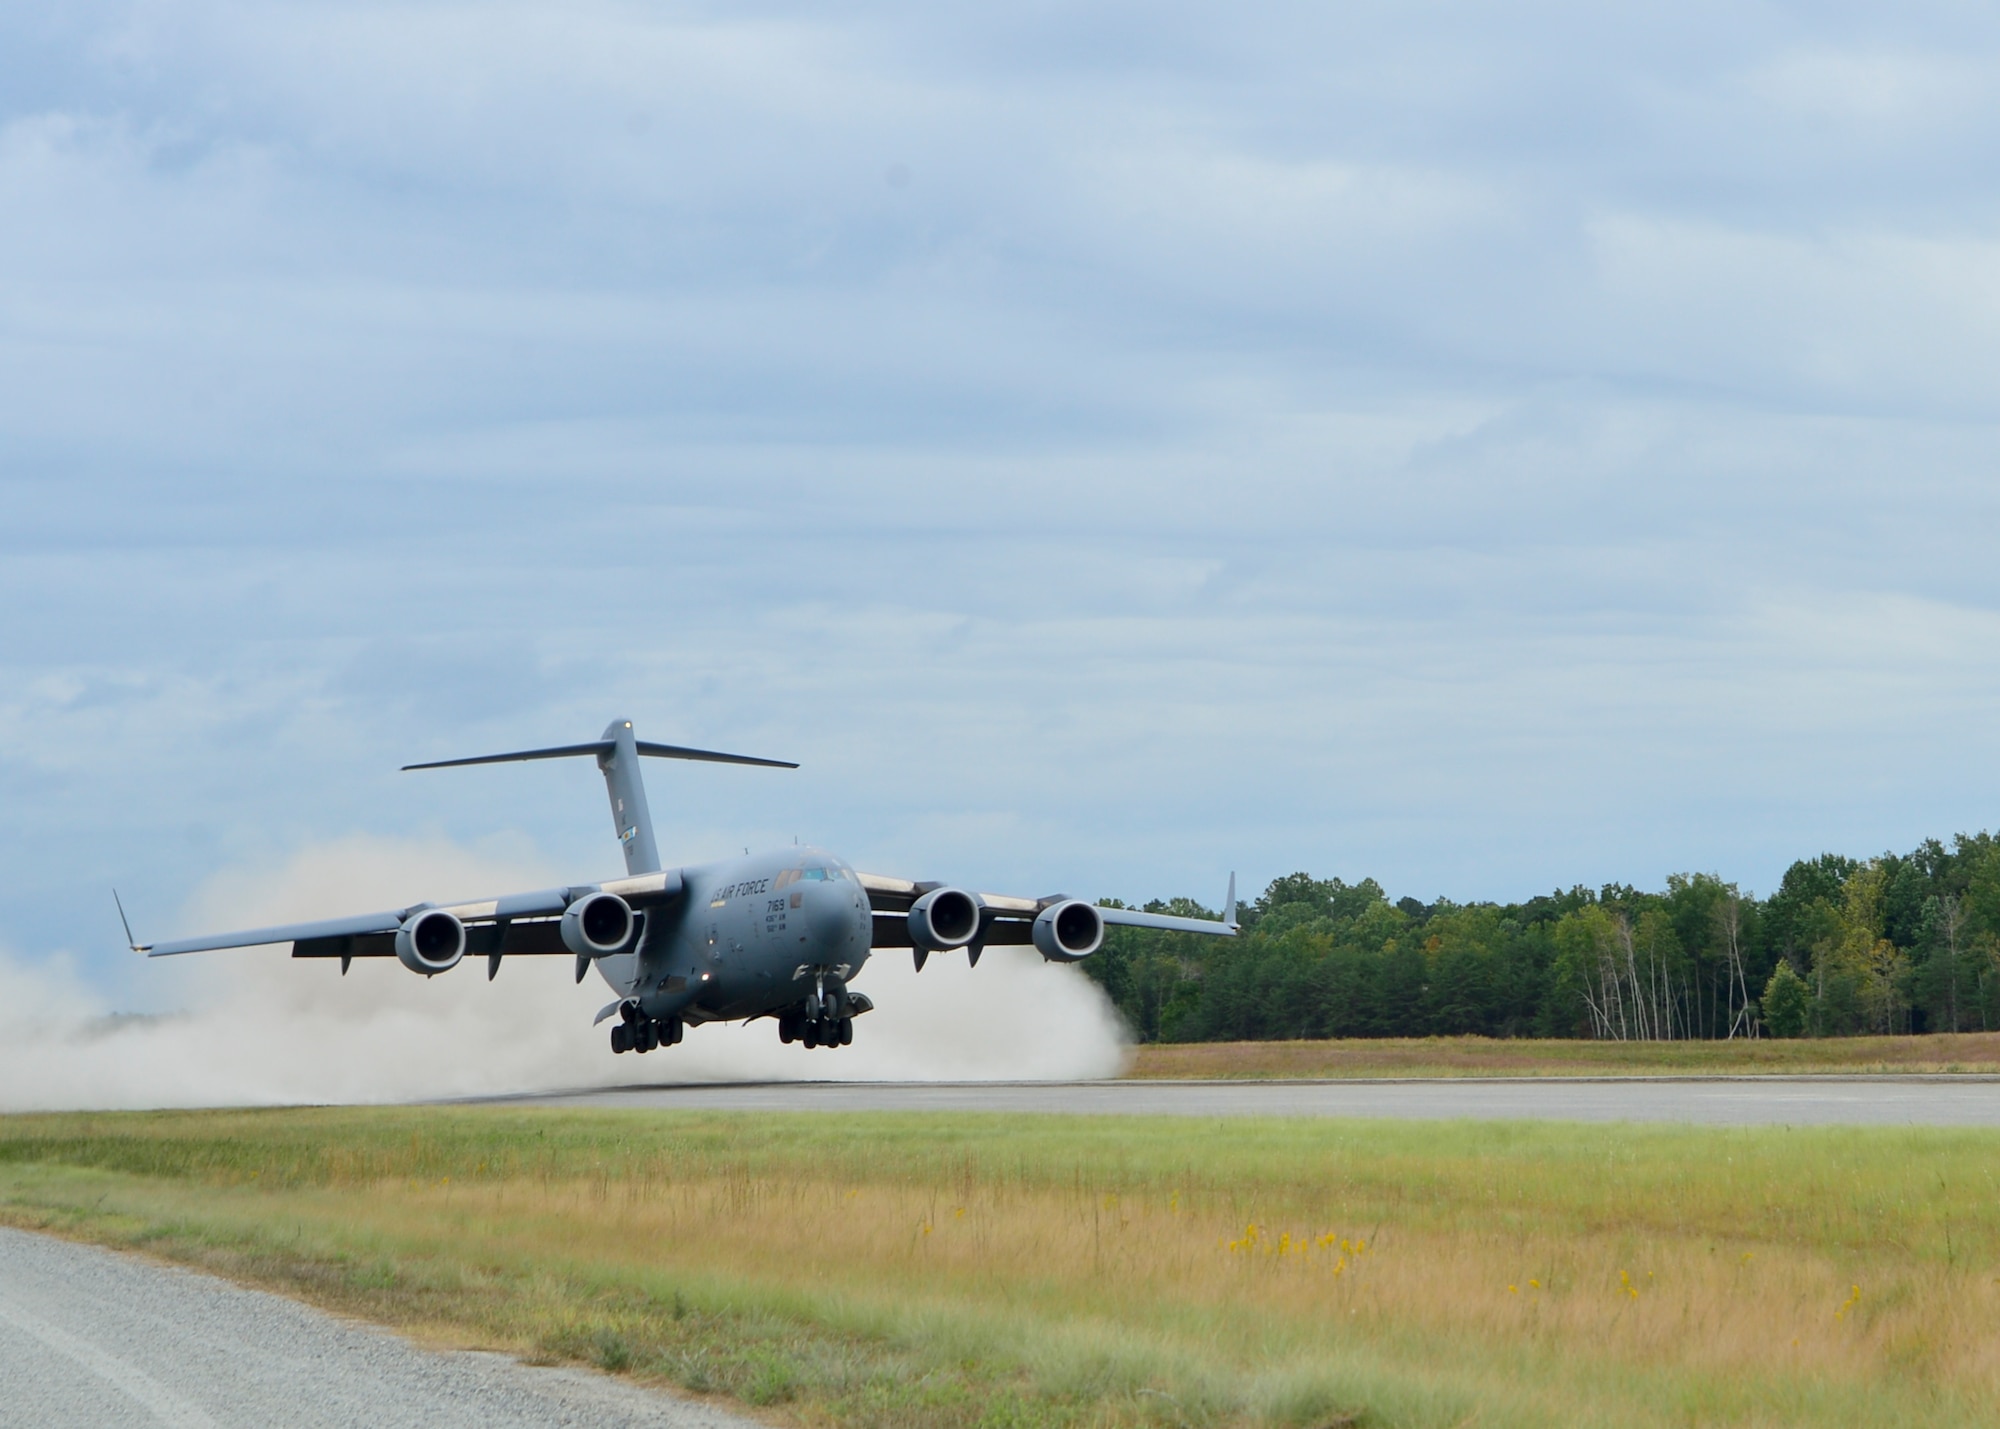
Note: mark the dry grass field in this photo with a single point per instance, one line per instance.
(1960, 1052)
(994, 1271)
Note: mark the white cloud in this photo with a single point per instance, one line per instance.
(1873, 89)
(1857, 320)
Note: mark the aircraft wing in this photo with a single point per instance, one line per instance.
(511, 925)
(1005, 919)
(361, 924)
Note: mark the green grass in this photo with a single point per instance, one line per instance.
(989, 1270)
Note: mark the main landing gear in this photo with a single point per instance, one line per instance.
(643, 1034)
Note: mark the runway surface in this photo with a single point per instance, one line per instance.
(1723, 1101)
(90, 1337)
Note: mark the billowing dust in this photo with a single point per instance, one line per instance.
(262, 1028)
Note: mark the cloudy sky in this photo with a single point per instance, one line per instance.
(1483, 447)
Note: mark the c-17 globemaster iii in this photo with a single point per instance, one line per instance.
(779, 935)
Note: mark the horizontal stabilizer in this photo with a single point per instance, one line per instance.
(601, 747)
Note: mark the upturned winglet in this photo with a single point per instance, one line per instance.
(131, 942)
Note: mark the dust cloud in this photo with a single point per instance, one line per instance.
(262, 1029)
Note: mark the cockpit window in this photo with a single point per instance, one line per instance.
(811, 875)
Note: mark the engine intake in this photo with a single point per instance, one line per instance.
(943, 918)
(430, 943)
(1068, 932)
(597, 925)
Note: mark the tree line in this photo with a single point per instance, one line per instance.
(1900, 943)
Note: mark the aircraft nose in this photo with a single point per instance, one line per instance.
(829, 913)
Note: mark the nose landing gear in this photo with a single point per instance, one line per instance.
(795, 1026)
(825, 1018)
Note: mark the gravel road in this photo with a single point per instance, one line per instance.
(1737, 1101)
(91, 1337)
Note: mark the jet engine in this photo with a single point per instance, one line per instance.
(430, 943)
(596, 925)
(943, 918)
(1068, 932)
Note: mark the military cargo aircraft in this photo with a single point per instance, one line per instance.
(779, 935)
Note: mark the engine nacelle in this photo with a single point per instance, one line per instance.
(943, 918)
(1069, 932)
(596, 925)
(430, 943)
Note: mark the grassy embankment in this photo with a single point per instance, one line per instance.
(960, 1270)
(1960, 1052)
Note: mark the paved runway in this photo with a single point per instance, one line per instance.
(90, 1337)
(1726, 1101)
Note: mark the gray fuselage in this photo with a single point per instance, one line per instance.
(746, 937)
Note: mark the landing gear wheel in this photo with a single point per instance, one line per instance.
(810, 1036)
(785, 1033)
(621, 1038)
(847, 1031)
(649, 1036)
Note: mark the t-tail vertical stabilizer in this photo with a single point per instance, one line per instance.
(629, 814)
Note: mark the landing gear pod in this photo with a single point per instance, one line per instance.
(1068, 932)
(943, 918)
(596, 925)
(430, 943)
